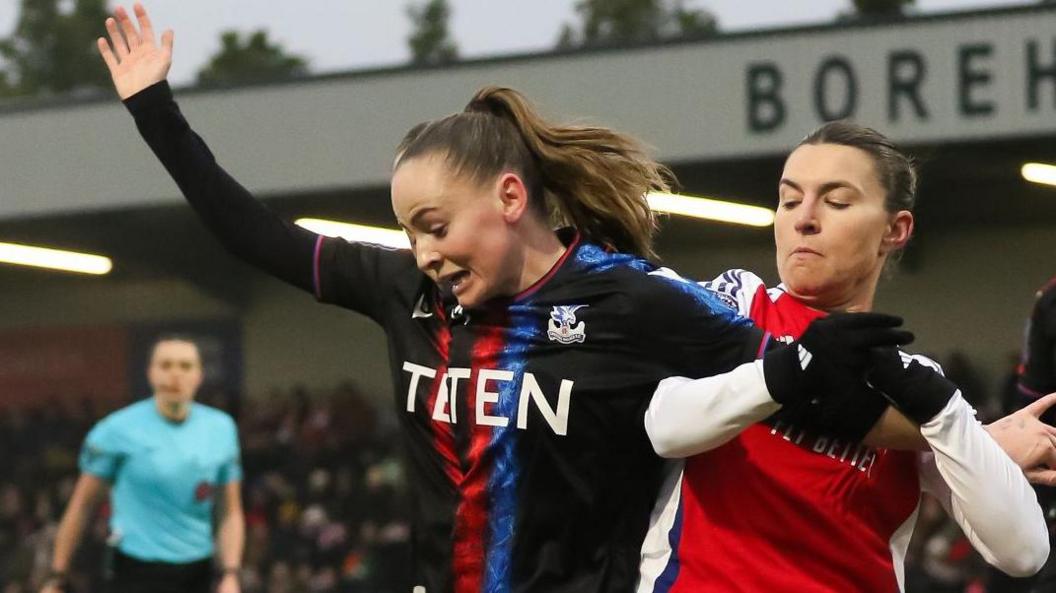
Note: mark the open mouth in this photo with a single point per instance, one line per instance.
(457, 280)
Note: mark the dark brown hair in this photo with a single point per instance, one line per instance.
(592, 178)
(896, 170)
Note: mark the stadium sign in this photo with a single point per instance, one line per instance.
(979, 90)
(961, 77)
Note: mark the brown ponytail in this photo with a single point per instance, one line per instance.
(591, 178)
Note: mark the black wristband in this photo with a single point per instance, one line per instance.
(783, 374)
(917, 391)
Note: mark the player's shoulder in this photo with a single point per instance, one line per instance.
(665, 290)
(121, 419)
(740, 288)
(650, 288)
(214, 416)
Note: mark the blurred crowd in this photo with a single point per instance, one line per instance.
(323, 494)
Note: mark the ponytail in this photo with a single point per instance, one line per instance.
(592, 178)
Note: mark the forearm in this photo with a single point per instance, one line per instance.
(985, 491)
(245, 226)
(68, 537)
(686, 417)
(230, 540)
(895, 431)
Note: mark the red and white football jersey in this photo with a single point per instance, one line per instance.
(778, 508)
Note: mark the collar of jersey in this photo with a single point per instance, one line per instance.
(571, 238)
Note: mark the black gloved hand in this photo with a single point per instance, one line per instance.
(838, 344)
(917, 391)
(847, 408)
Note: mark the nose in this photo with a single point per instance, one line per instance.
(426, 256)
(807, 222)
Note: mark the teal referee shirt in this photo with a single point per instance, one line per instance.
(165, 476)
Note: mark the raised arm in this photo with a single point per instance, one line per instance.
(138, 66)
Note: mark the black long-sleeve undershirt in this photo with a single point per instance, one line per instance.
(245, 226)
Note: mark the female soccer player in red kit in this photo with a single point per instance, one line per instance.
(814, 511)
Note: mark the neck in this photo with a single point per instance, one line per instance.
(175, 411)
(540, 253)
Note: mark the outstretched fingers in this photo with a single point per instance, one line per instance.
(166, 40)
(1041, 476)
(116, 39)
(1038, 407)
(108, 54)
(128, 28)
(146, 28)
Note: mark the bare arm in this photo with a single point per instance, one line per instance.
(231, 537)
(895, 431)
(86, 493)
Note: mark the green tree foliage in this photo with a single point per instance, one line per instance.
(250, 59)
(881, 8)
(430, 40)
(621, 22)
(52, 49)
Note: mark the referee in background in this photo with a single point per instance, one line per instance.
(163, 461)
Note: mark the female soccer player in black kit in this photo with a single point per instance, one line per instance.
(523, 357)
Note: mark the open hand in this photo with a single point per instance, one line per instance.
(135, 60)
(1028, 441)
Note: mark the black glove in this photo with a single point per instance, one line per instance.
(833, 346)
(917, 391)
(847, 409)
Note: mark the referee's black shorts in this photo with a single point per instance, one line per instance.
(129, 575)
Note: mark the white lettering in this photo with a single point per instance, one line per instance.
(445, 406)
(490, 397)
(417, 372)
(454, 374)
(558, 420)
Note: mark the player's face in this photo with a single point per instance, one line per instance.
(175, 371)
(832, 230)
(460, 231)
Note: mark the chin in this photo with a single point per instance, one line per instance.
(470, 300)
(807, 287)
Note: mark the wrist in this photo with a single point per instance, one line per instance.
(919, 392)
(783, 374)
(57, 578)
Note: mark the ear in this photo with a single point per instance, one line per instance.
(899, 230)
(513, 196)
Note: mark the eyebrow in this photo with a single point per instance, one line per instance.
(825, 187)
(419, 214)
